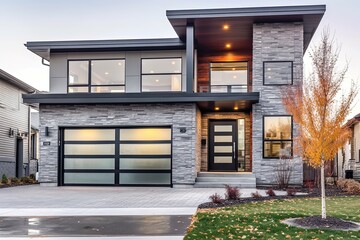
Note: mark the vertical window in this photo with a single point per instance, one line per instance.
(278, 73)
(229, 77)
(161, 75)
(278, 136)
(97, 76)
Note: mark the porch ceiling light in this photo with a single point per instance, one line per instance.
(236, 108)
(228, 45)
(226, 27)
(217, 108)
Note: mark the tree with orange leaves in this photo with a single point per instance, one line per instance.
(319, 108)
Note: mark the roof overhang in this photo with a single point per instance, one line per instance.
(44, 48)
(208, 22)
(206, 101)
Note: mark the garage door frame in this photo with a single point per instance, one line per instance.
(117, 171)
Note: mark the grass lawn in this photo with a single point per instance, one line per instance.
(261, 220)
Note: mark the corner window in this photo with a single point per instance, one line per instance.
(278, 73)
(228, 77)
(96, 76)
(278, 136)
(161, 75)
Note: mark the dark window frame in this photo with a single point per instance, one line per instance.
(277, 140)
(33, 146)
(279, 84)
(116, 156)
(229, 86)
(89, 85)
(159, 74)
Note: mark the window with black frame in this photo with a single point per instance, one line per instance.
(278, 136)
(161, 75)
(228, 77)
(96, 76)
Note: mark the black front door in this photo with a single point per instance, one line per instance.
(222, 145)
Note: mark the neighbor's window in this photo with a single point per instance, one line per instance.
(277, 136)
(229, 77)
(278, 73)
(161, 75)
(97, 76)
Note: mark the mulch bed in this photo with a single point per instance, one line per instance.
(331, 191)
(15, 185)
(318, 222)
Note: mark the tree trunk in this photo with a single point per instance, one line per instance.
(323, 203)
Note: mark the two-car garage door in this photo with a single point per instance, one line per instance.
(116, 156)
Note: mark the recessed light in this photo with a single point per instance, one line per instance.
(217, 108)
(106, 73)
(236, 108)
(233, 69)
(226, 27)
(228, 45)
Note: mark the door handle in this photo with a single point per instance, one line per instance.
(234, 150)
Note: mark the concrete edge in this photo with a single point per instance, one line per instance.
(54, 212)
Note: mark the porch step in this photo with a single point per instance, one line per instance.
(219, 179)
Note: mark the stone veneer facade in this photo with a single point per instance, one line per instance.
(273, 42)
(186, 158)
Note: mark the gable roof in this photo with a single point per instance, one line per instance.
(16, 82)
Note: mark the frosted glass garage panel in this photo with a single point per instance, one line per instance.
(143, 134)
(145, 163)
(145, 149)
(89, 149)
(89, 135)
(89, 163)
(89, 178)
(145, 178)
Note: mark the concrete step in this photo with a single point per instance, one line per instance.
(225, 174)
(222, 185)
(227, 179)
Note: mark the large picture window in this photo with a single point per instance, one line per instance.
(96, 76)
(278, 136)
(229, 77)
(161, 75)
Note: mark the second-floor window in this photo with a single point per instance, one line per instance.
(228, 77)
(161, 75)
(96, 76)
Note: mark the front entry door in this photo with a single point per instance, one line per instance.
(222, 145)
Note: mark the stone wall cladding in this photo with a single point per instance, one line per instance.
(273, 42)
(177, 115)
(223, 115)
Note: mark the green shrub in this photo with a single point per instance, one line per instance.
(4, 179)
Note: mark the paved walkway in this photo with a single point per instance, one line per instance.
(35, 196)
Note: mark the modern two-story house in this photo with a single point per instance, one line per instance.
(202, 109)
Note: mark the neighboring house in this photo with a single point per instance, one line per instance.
(348, 157)
(14, 126)
(203, 109)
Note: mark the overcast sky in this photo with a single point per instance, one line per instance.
(40, 20)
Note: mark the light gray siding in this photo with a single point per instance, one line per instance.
(58, 66)
(273, 42)
(13, 114)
